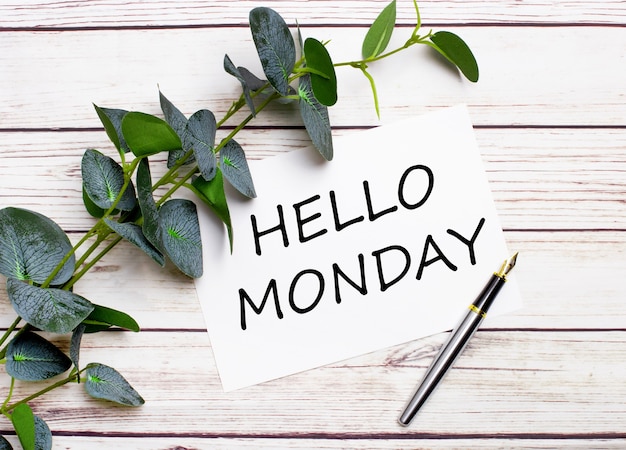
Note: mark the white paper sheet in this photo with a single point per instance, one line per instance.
(410, 200)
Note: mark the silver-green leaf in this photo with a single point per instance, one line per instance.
(230, 68)
(4, 444)
(235, 168)
(32, 246)
(43, 435)
(177, 120)
(49, 309)
(315, 118)
(275, 46)
(103, 181)
(180, 235)
(112, 120)
(30, 357)
(133, 234)
(104, 382)
(200, 136)
(149, 211)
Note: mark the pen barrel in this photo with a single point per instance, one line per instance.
(453, 347)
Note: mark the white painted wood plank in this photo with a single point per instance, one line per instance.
(541, 179)
(529, 383)
(99, 13)
(567, 280)
(366, 443)
(51, 79)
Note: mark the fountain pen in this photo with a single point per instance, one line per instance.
(457, 340)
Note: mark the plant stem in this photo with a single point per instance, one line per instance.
(79, 274)
(8, 332)
(72, 377)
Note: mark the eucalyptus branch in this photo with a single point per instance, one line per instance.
(41, 264)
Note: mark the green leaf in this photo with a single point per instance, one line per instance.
(48, 309)
(24, 423)
(32, 358)
(235, 168)
(230, 68)
(147, 135)
(4, 444)
(104, 382)
(103, 180)
(112, 121)
(134, 234)
(180, 235)
(200, 136)
(318, 59)
(103, 316)
(150, 226)
(379, 34)
(315, 117)
(275, 46)
(457, 52)
(31, 247)
(212, 194)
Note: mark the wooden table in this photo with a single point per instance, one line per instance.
(550, 118)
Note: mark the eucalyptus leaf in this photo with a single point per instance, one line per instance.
(104, 382)
(253, 82)
(235, 168)
(457, 52)
(230, 68)
(213, 195)
(134, 234)
(200, 136)
(43, 435)
(178, 122)
(147, 135)
(93, 209)
(180, 235)
(315, 118)
(23, 421)
(103, 181)
(112, 121)
(48, 309)
(275, 47)
(101, 316)
(4, 444)
(379, 33)
(149, 211)
(30, 357)
(32, 246)
(77, 337)
(173, 116)
(317, 58)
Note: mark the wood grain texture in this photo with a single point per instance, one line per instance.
(549, 112)
(118, 13)
(540, 178)
(51, 79)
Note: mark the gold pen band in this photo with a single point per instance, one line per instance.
(477, 310)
